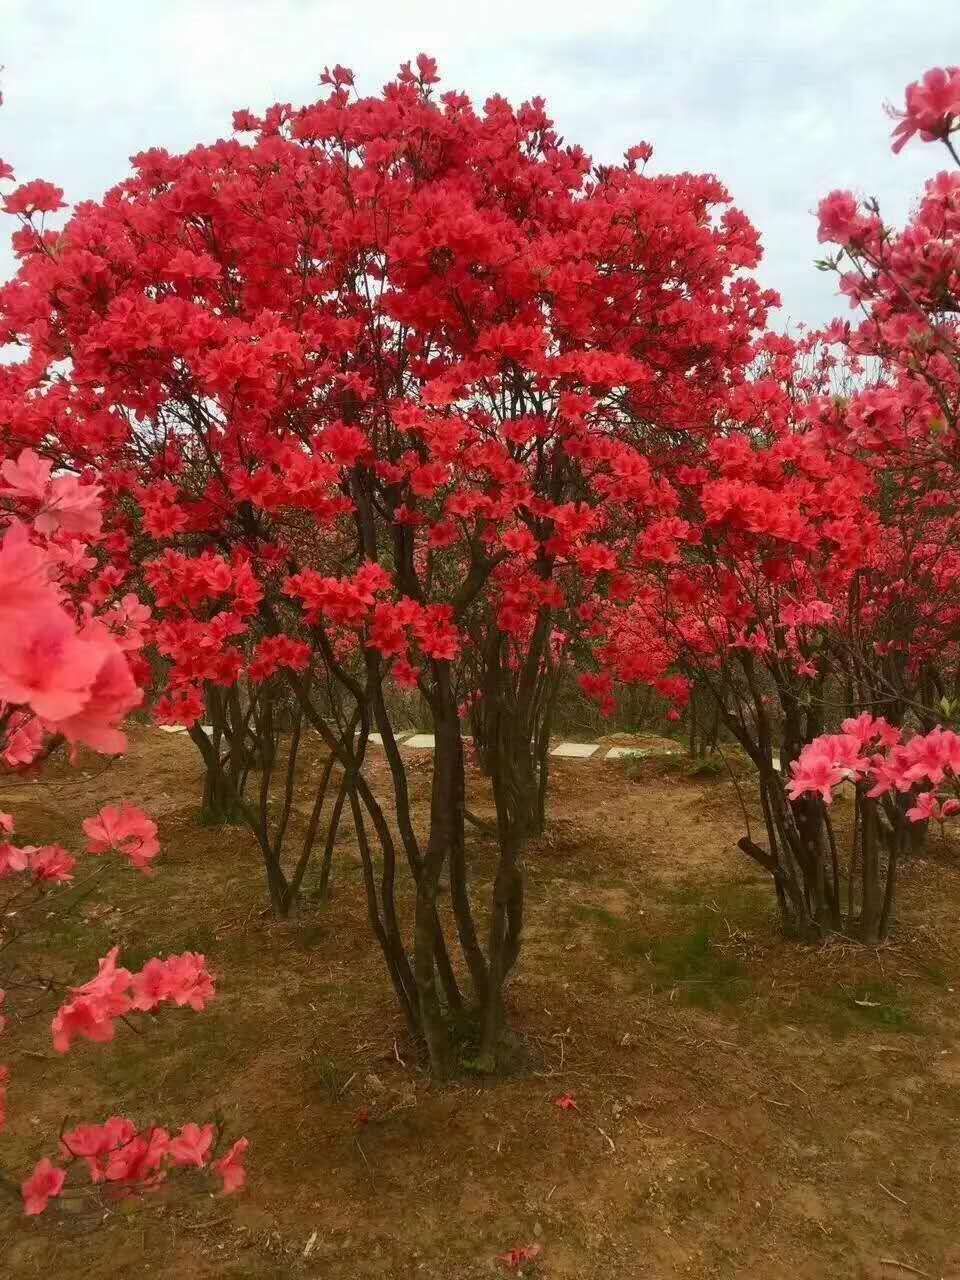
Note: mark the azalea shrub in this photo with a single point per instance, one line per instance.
(810, 574)
(384, 391)
(921, 771)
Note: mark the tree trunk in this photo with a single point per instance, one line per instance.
(446, 829)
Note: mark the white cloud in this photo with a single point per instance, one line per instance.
(782, 101)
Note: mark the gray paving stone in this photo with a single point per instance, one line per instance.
(576, 750)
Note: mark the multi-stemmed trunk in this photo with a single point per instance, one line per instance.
(422, 973)
(801, 852)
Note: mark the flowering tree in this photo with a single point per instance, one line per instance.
(378, 391)
(900, 644)
(815, 576)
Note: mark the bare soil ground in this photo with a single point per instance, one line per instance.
(745, 1107)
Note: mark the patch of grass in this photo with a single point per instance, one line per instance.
(704, 975)
(688, 962)
(701, 768)
(844, 1010)
(599, 915)
(216, 819)
(705, 767)
(637, 767)
(741, 905)
(323, 1073)
(880, 1005)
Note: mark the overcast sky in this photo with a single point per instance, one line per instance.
(782, 99)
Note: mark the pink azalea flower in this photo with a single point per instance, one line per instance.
(93, 1142)
(230, 1167)
(52, 863)
(190, 982)
(13, 859)
(139, 1159)
(127, 621)
(24, 741)
(126, 829)
(44, 1183)
(183, 980)
(191, 1145)
(28, 477)
(65, 503)
(25, 574)
(863, 727)
(91, 1013)
(151, 986)
(111, 695)
(925, 809)
(45, 664)
(71, 506)
(933, 754)
(816, 773)
(932, 107)
(839, 217)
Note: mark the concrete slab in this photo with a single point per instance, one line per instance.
(421, 742)
(576, 750)
(377, 738)
(172, 728)
(621, 753)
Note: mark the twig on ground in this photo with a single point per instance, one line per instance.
(606, 1135)
(714, 1138)
(363, 1157)
(904, 1266)
(346, 1085)
(892, 1194)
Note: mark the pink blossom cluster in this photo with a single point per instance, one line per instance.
(932, 107)
(126, 830)
(63, 670)
(49, 863)
(94, 1007)
(123, 829)
(118, 1153)
(871, 751)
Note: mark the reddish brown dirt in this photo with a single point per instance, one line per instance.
(744, 1107)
